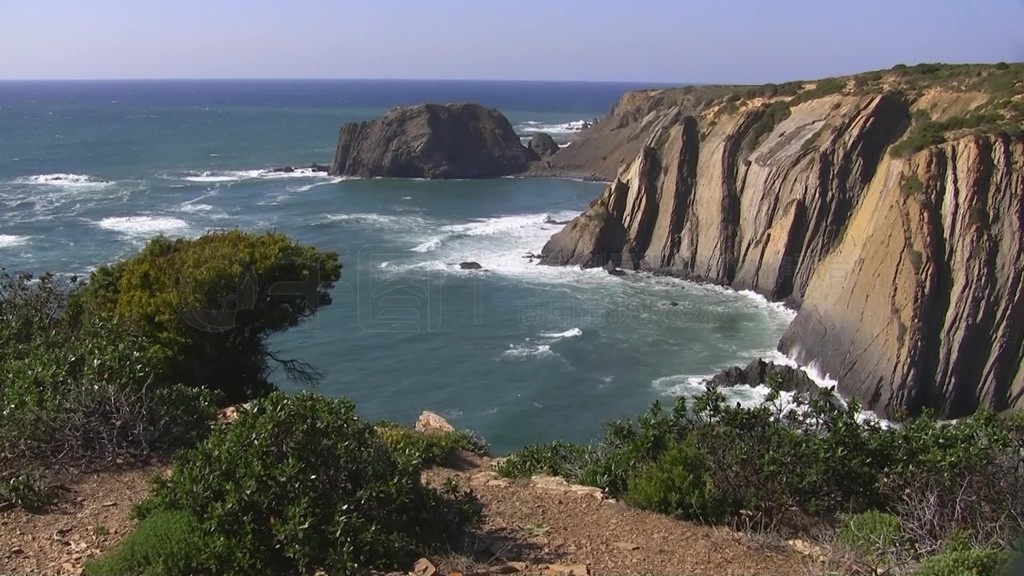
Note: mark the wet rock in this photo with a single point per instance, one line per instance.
(470, 266)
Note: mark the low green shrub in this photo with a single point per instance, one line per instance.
(677, 484)
(876, 538)
(298, 484)
(961, 559)
(28, 488)
(167, 543)
(429, 449)
(779, 465)
(555, 458)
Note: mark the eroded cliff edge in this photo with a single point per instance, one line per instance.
(906, 265)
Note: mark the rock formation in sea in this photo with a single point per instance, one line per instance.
(543, 144)
(432, 141)
(886, 208)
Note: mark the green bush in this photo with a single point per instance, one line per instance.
(78, 393)
(298, 484)
(28, 488)
(429, 449)
(772, 115)
(677, 484)
(961, 559)
(167, 543)
(778, 466)
(210, 304)
(876, 538)
(555, 458)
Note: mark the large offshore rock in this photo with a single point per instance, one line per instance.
(432, 141)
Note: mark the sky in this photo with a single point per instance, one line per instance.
(673, 41)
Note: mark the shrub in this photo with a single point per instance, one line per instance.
(28, 488)
(778, 466)
(876, 538)
(211, 304)
(555, 458)
(167, 543)
(964, 479)
(298, 484)
(772, 114)
(677, 484)
(961, 559)
(911, 185)
(80, 394)
(429, 449)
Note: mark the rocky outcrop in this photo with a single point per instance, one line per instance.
(543, 144)
(906, 271)
(758, 372)
(432, 141)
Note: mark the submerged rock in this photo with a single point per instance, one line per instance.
(432, 141)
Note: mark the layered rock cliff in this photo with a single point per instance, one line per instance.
(432, 141)
(906, 267)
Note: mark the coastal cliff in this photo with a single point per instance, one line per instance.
(432, 141)
(886, 209)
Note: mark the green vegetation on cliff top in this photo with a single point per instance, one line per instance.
(998, 109)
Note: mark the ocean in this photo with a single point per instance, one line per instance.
(519, 353)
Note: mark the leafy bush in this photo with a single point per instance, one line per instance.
(911, 185)
(429, 449)
(556, 458)
(876, 538)
(210, 304)
(772, 115)
(81, 394)
(28, 488)
(677, 484)
(298, 484)
(780, 466)
(167, 543)
(961, 559)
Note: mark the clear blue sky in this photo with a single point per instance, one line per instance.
(634, 40)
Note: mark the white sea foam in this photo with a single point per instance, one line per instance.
(187, 207)
(8, 240)
(533, 127)
(62, 180)
(528, 350)
(572, 333)
(136, 226)
(223, 176)
(387, 221)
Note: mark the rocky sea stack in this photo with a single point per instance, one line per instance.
(432, 141)
(886, 207)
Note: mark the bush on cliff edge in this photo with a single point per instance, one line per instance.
(299, 484)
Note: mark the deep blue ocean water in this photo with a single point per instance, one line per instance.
(519, 353)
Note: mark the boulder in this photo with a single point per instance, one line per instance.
(612, 269)
(543, 144)
(319, 167)
(431, 423)
(432, 141)
(470, 266)
(757, 372)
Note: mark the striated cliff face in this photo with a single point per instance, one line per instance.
(906, 271)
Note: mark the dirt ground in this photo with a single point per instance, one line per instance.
(532, 527)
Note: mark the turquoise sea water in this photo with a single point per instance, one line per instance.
(519, 353)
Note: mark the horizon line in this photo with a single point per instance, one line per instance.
(348, 79)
